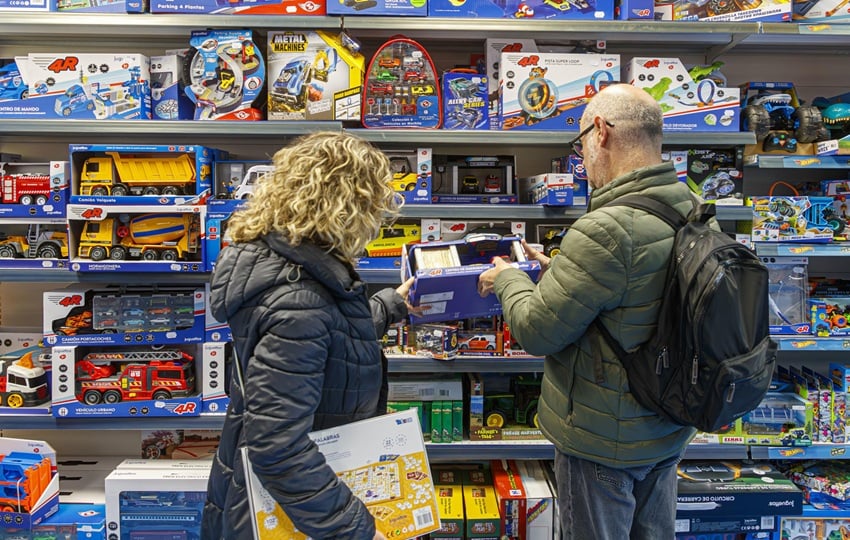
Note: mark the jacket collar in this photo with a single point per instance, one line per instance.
(633, 182)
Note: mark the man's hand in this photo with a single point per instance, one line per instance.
(379, 536)
(533, 255)
(403, 291)
(488, 277)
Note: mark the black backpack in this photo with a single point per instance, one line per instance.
(711, 358)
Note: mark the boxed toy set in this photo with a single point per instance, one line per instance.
(503, 408)
(475, 179)
(141, 174)
(392, 479)
(526, 504)
(791, 219)
(530, 9)
(465, 103)
(34, 190)
(122, 316)
(236, 179)
(172, 498)
(178, 444)
(742, 10)
(395, 8)
(690, 100)
(82, 86)
(33, 243)
(227, 75)
(446, 275)
(825, 11)
(549, 189)
(30, 483)
(728, 488)
(411, 170)
(219, 211)
(102, 6)
(436, 341)
(788, 295)
(493, 49)
(402, 88)
(136, 238)
(169, 100)
(314, 75)
(214, 377)
(549, 91)
(829, 316)
(717, 175)
(446, 230)
(24, 381)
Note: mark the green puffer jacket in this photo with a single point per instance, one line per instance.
(612, 264)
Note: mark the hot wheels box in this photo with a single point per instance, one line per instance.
(315, 75)
(447, 275)
(790, 219)
(112, 316)
(136, 238)
(34, 190)
(30, 483)
(136, 498)
(687, 105)
(531, 9)
(829, 316)
(717, 175)
(240, 7)
(549, 91)
(140, 381)
(729, 488)
(141, 174)
(83, 86)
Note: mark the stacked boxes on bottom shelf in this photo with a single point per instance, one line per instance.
(30, 485)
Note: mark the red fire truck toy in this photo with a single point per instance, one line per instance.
(23, 479)
(25, 188)
(23, 381)
(162, 374)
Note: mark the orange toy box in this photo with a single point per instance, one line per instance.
(526, 503)
(30, 485)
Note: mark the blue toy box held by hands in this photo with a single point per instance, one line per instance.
(446, 275)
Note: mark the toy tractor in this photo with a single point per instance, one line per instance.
(777, 118)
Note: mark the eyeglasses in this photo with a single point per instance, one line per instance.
(576, 144)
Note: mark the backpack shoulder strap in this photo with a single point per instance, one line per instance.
(662, 211)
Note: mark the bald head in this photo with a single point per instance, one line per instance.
(635, 113)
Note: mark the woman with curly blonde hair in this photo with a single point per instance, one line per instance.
(305, 334)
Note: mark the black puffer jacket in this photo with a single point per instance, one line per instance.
(306, 339)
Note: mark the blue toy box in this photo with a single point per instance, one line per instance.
(446, 275)
(214, 394)
(151, 175)
(465, 103)
(527, 9)
(73, 522)
(82, 86)
(101, 6)
(411, 172)
(33, 243)
(550, 189)
(396, 8)
(34, 190)
(630, 10)
(168, 93)
(30, 484)
(549, 91)
(218, 212)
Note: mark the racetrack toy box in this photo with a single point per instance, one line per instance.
(734, 488)
(826, 11)
(446, 275)
(136, 238)
(113, 316)
(689, 99)
(240, 7)
(402, 89)
(314, 75)
(125, 174)
(549, 91)
(140, 381)
(721, 10)
(87, 86)
(226, 75)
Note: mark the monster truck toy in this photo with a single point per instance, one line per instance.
(773, 112)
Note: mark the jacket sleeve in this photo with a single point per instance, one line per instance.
(283, 386)
(388, 307)
(588, 276)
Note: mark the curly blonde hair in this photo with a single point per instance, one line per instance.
(330, 188)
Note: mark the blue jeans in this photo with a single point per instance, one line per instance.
(601, 503)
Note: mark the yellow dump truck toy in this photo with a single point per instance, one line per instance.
(117, 175)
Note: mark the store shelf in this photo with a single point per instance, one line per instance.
(481, 364)
(209, 421)
(816, 451)
(812, 343)
(771, 161)
(483, 450)
(491, 211)
(791, 249)
(716, 451)
(58, 275)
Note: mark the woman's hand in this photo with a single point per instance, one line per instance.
(403, 291)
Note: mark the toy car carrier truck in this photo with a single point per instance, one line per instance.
(23, 382)
(150, 237)
(113, 174)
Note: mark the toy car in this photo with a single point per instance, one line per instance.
(492, 184)
(379, 88)
(11, 83)
(467, 118)
(561, 5)
(464, 88)
(391, 239)
(775, 108)
(469, 184)
(389, 62)
(481, 342)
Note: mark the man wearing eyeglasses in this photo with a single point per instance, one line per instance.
(615, 461)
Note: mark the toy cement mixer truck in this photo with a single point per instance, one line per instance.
(150, 237)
